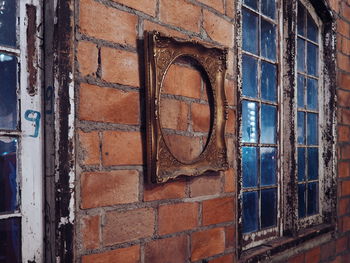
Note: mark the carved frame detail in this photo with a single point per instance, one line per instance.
(160, 52)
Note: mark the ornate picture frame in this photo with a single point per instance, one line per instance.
(160, 52)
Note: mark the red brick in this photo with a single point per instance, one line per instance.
(224, 259)
(90, 147)
(343, 134)
(344, 206)
(230, 144)
(218, 29)
(230, 8)
(345, 10)
(343, 27)
(120, 66)
(334, 4)
(230, 237)
(345, 188)
(87, 58)
(180, 13)
(200, 117)
(345, 151)
(127, 226)
(121, 148)
(341, 244)
(150, 26)
(344, 96)
(174, 114)
(170, 190)
(206, 185)
(207, 243)
(343, 80)
(112, 105)
(216, 4)
(328, 250)
(343, 61)
(344, 116)
(109, 188)
(297, 259)
(345, 224)
(147, 6)
(230, 184)
(91, 232)
(177, 217)
(182, 81)
(230, 124)
(125, 255)
(110, 24)
(230, 91)
(313, 255)
(343, 169)
(184, 148)
(218, 210)
(171, 250)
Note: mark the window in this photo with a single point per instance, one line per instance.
(286, 131)
(21, 227)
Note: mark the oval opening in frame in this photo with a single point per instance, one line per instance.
(186, 109)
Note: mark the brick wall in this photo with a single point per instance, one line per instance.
(121, 218)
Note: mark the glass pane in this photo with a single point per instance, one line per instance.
(10, 240)
(250, 212)
(250, 32)
(268, 40)
(301, 164)
(301, 19)
(301, 55)
(312, 199)
(250, 166)
(312, 94)
(268, 124)
(301, 85)
(249, 121)
(301, 127)
(312, 29)
(312, 130)
(268, 157)
(268, 8)
(268, 208)
(312, 59)
(268, 81)
(301, 199)
(8, 23)
(252, 3)
(250, 76)
(8, 90)
(312, 163)
(8, 175)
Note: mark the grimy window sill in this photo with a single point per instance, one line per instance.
(281, 248)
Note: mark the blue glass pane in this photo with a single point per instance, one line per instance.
(301, 55)
(250, 212)
(301, 164)
(268, 81)
(250, 76)
(8, 175)
(268, 124)
(312, 199)
(250, 31)
(312, 29)
(250, 166)
(268, 40)
(312, 94)
(10, 240)
(8, 23)
(312, 129)
(301, 86)
(268, 166)
(249, 121)
(8, 91)
(301, 127)
(312, 163)
(312, 59)
(252, 3)
(301, 200)
(268, 208)
(301, 19)
(268, 8)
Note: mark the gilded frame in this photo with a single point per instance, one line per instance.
(160, 52)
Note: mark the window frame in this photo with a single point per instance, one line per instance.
(290, 225)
